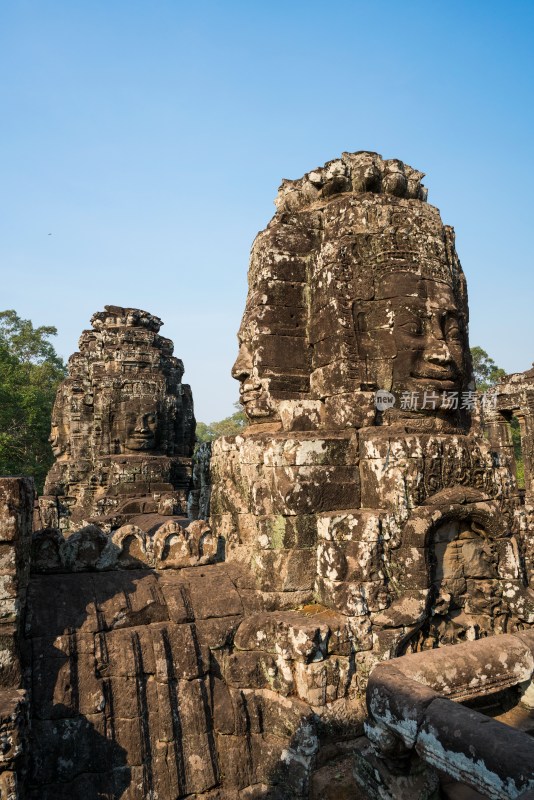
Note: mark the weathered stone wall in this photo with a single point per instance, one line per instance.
(16, 508)
(514, 397)
(152, 684)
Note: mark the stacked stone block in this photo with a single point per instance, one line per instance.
(16, 510)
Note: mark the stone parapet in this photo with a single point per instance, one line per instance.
(414, 704)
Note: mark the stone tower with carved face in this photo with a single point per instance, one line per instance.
(394, 512)
(360, 515)
(354, 286)
(122, 426)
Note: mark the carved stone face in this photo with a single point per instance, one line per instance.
(464, 587)
(136, 425)
(411, 337)
(253, 391)
(141, 431)
(359, 292)
(57, 441)
(60, 428)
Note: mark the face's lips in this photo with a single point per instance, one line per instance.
(420, 386)
(250, 397)
(437, 374)
(250, 391)
(250, 384)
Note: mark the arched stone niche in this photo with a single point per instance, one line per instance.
(465, 593)
(458, 575)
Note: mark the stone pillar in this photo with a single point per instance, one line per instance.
(16, 508)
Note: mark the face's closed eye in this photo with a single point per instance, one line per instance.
(411, 324)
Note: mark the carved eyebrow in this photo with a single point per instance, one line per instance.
(412, 313)
(449, 314)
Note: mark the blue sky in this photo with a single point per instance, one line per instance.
(149, 138)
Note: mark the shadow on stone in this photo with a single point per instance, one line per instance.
(73, 748)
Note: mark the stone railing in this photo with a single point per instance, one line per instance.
(167, 545)
(416, 718)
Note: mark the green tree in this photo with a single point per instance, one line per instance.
(229, 426)
(485, 370)
(30, 371)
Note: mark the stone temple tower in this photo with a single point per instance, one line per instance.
(390, 508)
(360, 515)
(123, 427)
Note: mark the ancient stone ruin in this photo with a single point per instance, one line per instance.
(362, 516)
(514, 397)
(400, 518)
(123, 427)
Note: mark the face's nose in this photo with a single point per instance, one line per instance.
(437, 351)
(142, 423)
(439, 354)
(242, 368)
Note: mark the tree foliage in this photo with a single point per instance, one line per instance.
(518, 452)
(30, 371)
(485, 370)
(229, 426)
